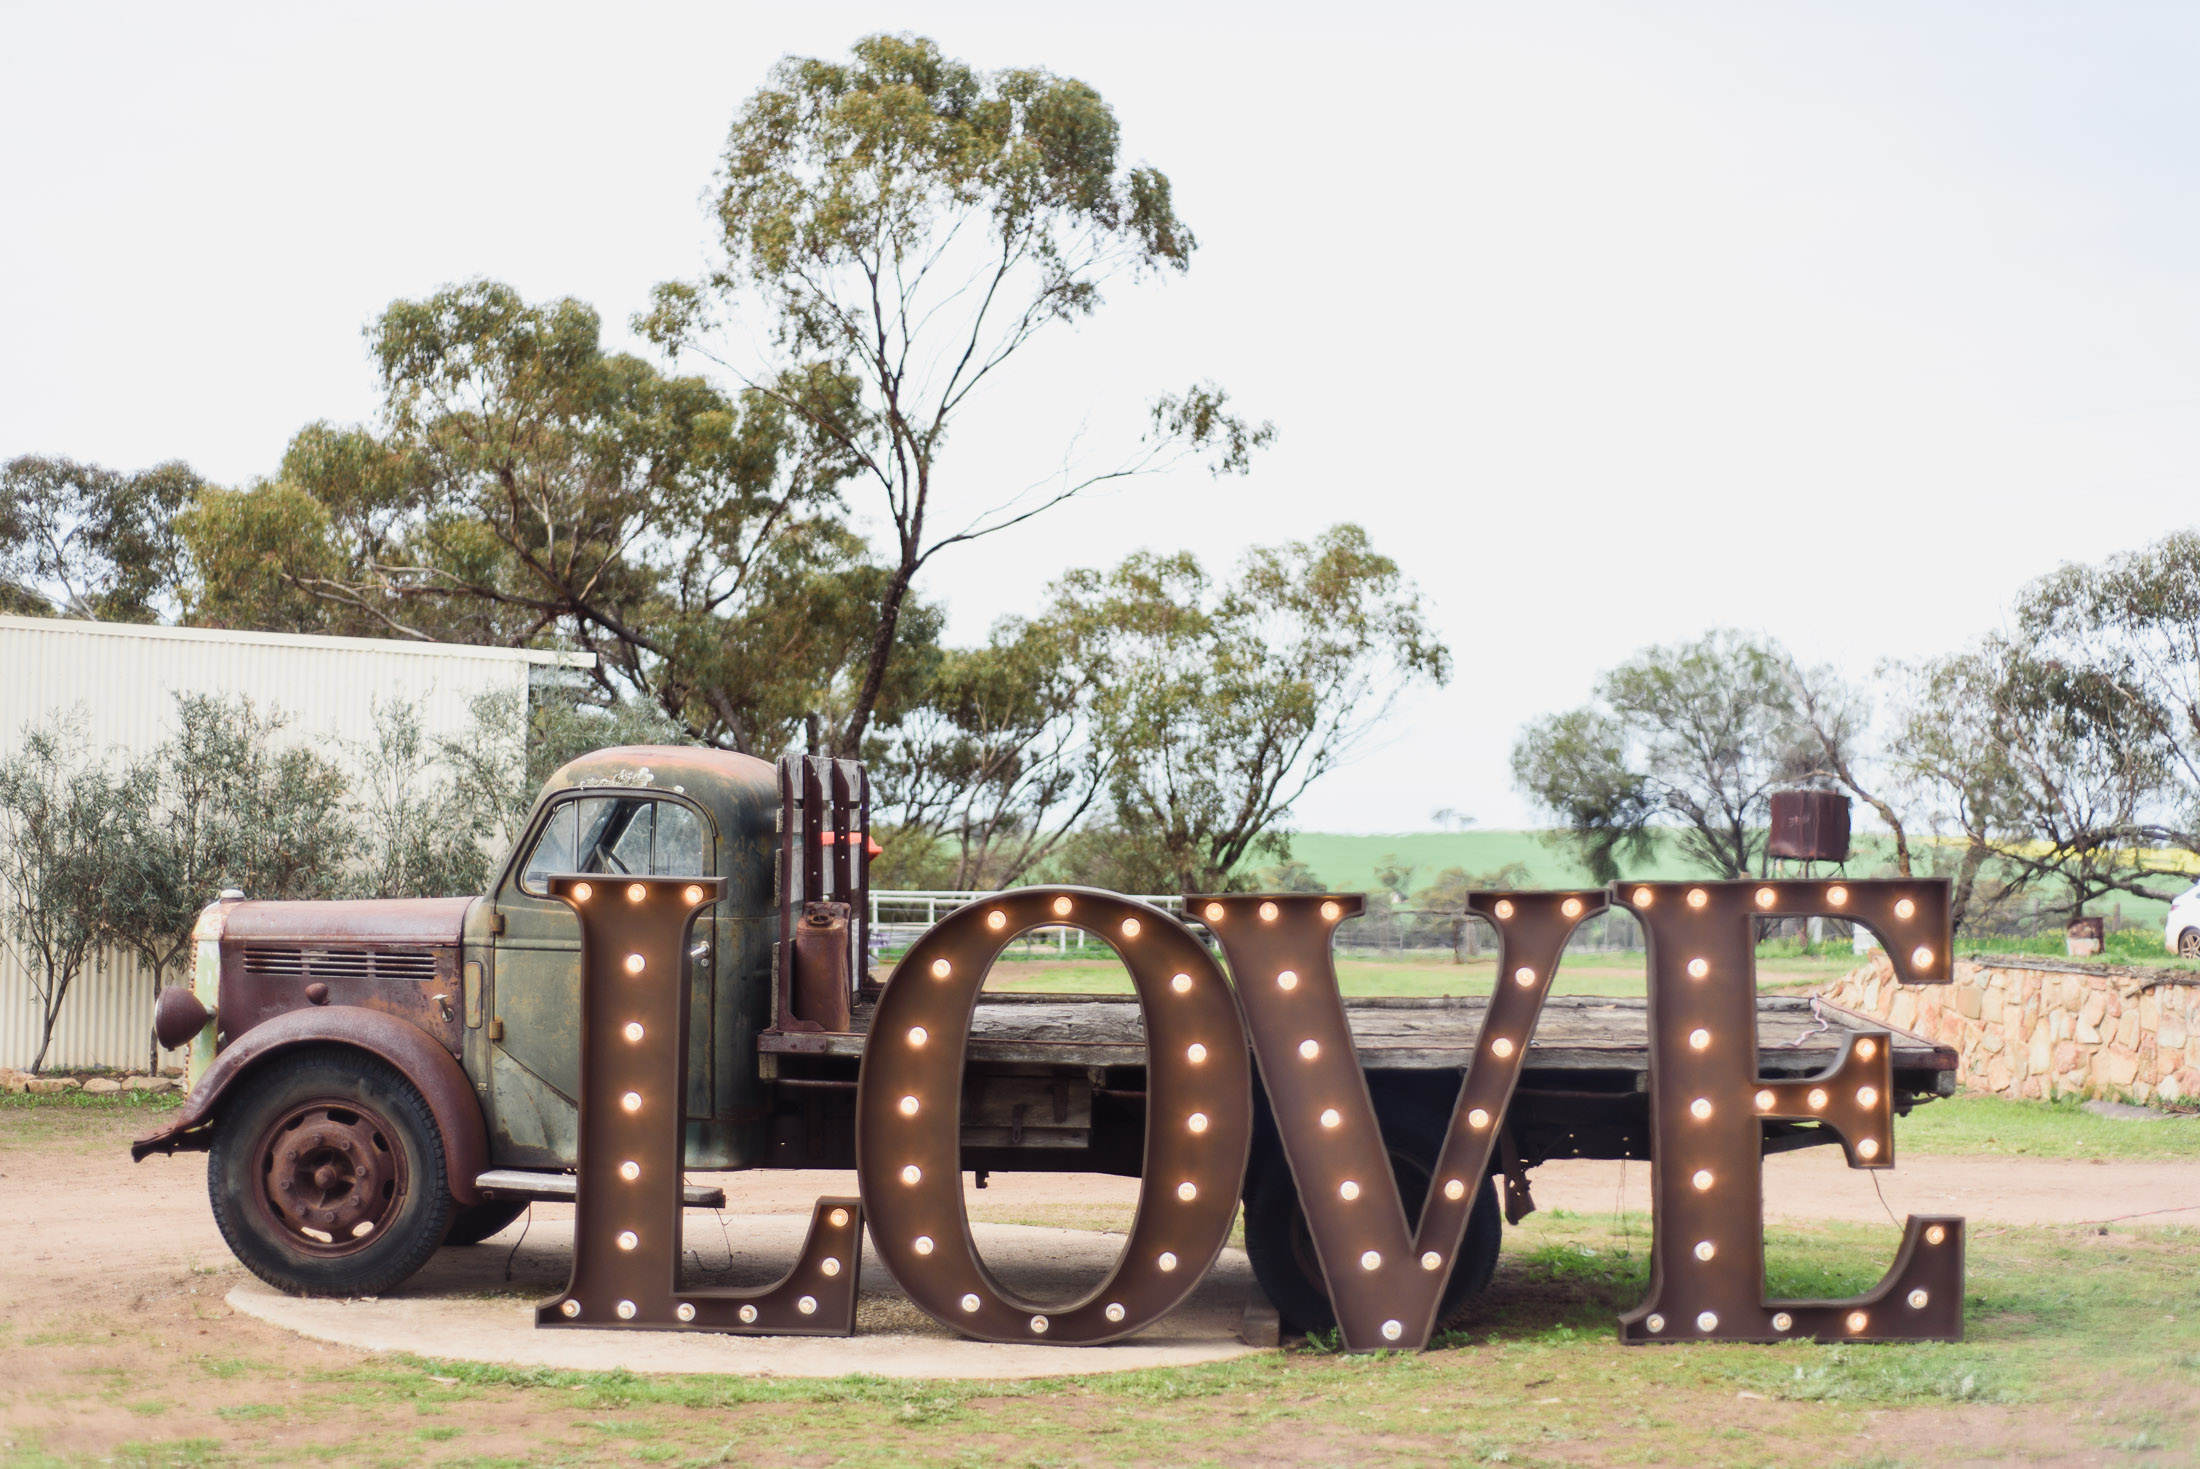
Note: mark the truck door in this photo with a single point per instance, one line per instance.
(536, 980)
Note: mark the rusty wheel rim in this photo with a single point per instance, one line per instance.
(332, 1176)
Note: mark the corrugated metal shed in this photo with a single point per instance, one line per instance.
(124, 678)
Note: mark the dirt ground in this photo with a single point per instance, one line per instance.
(120, 1267)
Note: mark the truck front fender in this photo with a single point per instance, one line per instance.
(415, 1054)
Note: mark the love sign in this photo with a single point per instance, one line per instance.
(1276, 1013)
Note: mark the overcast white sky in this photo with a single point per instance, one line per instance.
(1611, 322)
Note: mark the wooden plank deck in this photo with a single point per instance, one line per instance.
(1575, 1033)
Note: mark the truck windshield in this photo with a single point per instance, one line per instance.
(629, 834)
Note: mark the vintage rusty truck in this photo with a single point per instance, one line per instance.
(376, 1080)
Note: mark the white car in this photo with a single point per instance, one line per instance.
(2181, 932)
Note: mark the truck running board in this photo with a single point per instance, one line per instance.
(519, 1183)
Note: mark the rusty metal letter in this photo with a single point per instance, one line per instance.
(1199, 1119)
(1385, 1283)
(1708, 1106)
(627, 1214)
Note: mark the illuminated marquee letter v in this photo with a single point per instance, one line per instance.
(1708, 1107)
(627, 1212)
(1384, 1283)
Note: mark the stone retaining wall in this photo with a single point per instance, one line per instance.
(2025, 1026)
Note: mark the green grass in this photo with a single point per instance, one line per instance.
(1980, 1126)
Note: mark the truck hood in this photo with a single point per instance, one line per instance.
(409, 921)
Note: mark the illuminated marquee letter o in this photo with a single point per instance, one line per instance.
(1199, 1119)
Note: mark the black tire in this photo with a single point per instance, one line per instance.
(473, 1223)
(1282, 1249)
(332, 1138)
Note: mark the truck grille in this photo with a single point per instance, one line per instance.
(326, 964)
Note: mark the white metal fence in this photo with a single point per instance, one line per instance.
(898, 918)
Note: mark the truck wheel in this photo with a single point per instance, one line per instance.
(327, 1176)
(473, 1223)
(1281, 1247)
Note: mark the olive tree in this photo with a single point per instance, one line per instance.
(900, 226)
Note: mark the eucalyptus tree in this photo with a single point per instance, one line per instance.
(79, 540)
(902, 225)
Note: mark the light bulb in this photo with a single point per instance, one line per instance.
(1697, 897)
(748, 1315)
(807, 1305)
(630, 1170)
(918, 1035)
(570, 1309)
(996, 919)
(1817, 1099)
(1837, 895)
(1766, 897)
(582, 892)
(1867, 1096)
(1523, 976)
(1922, 957)
(1039, 1325)
(1705, 1249)
(941, 969)
(839, 1218)
(1858, 1321)
(1571, 907)
(1268, 912)
(1213, 912)
(1330, 911)
(1904, 908)
(1781, 1321)
(1431, 1261)
(1642, 897)
(1504, 908)
(634, 1030)
(1197, 1122)
(1654, 1322)
(1708, 1321)
(1372, 1260)
(1699, 1038)
(1866, 1049)
(1867, 1148)
(922, 1244)
(829, 1265)
(626, 1310)
(1115, 1311)
(1287, 980)
(1702, 1179)
(1501, 1047)
(1310, 1049)
(1182, 984)
(1061, 907)
(1698, 968)
(1195, 1053)
(911, 1174)
(1455, 1188)
(1331, 1117)
(1764, 1101)
(635, 963)
(635, 892)
(628, 1239)
(1167, 1260)
(1700, 1108)
(1130, 928)
(1348, 1190)
(1392, 1330)
(685, 1311)
(1918, 1299)
(908, 1106)
(970, 1303)
(1478, 1119)
(1934, 1234)
(1187, 1191)
(632, 1101)
(692, 893)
